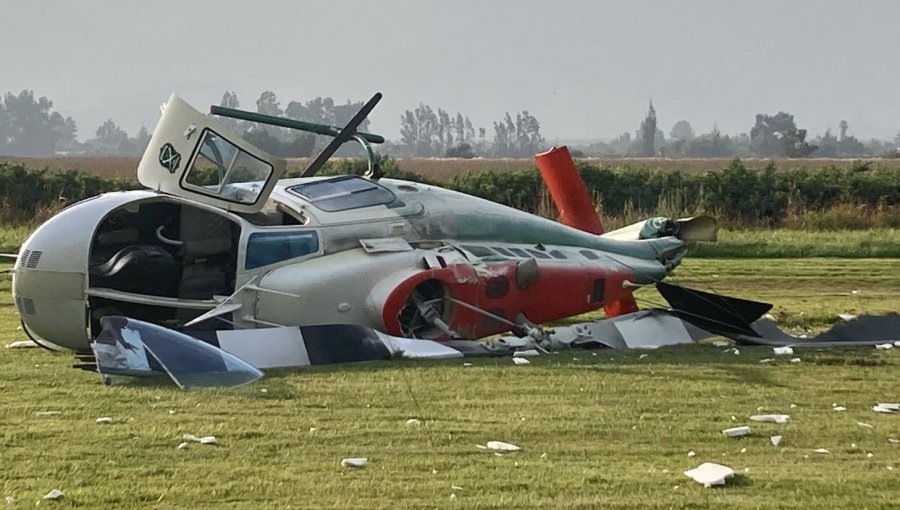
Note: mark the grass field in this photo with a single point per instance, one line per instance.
(442, 169)
(607, 429)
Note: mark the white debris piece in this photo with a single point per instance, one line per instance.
(191, 437)
(521, 361)
(839, 409)
(743, 450)
(467, 364)
(691, 453)
(104, 420)
(413, 421)
(773, 418)
(823, 451)
(884, 407)
(54, 494)
(455, 488)
(710, 474)
(21, 344)
(766, 360)
(884, 347)
(182, 445)
(796, 360)
(737, 431)
(776, 440)
(870, 455)
(893, 441)
(783, 351)
(897, 343)
(355, 462)
(793, 406)
(648, 347)
(526, 354)
(502, 446)
(642, 356)
(10, 500)
(210, 440)
(852, 445)
(846, 316)
(770, 317)
(48, 413)
(864, 424)
(721, 343)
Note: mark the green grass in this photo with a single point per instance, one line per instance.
(789, 243)
(615, 427)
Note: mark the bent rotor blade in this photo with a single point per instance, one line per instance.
(724, 315)
(342, 137)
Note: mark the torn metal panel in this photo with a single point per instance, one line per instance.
(865, 330)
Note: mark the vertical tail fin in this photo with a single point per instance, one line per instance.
(568, 190)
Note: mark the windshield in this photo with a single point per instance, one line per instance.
(223, 170)
(343, 193)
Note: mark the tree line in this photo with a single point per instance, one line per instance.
(30, 126)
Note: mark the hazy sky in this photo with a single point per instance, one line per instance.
(585, 69)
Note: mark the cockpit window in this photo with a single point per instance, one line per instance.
(223, 170)
(265, 248)
(343, 193)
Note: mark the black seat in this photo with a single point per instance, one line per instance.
(143, 269)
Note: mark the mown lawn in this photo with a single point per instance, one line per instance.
(607, 429)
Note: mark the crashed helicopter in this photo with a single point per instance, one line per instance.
(272, 272)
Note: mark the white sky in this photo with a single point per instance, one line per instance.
(585, 69)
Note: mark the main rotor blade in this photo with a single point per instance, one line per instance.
(345, 134)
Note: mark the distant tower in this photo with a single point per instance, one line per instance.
(648, 133)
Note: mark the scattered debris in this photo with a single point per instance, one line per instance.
(10, 500)
(521, 361)
(710, 474)
(776, 440)
(467, 364)
(839, 409)
(182, 445)
(502, 446)
(355, 462)
(884, 347)
(54, 494)
(737, 431)
(642, 356)
(894, 441)
(313, 429)
(263, 390)
(743, 450)
(774, 418)
(21, 344)
(783, 351)
(847, 317)
(823, 451)
(866, 425)
(796, 360)
(526, 354)
(793, 406)
(413, 421)
(766, 360)
(191, 437)
(870, 455)
(104, 420)
(886, 408)
(691, 453)
(210, 440)
(455, 488)
(544, 455)
(48, 413)
(721, 343)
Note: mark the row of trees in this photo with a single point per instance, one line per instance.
(770, 136)
(30, 126)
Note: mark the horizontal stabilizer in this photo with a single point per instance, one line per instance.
(719, 314)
